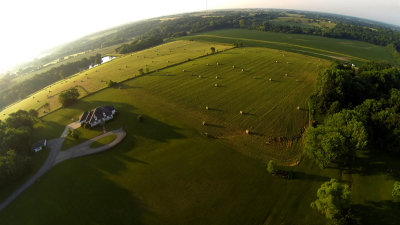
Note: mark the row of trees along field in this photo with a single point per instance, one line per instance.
(10, 93)
(361, 108)
(15, 145)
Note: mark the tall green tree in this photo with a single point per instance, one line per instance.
(333, 199)
(68, 97)
(337, 140)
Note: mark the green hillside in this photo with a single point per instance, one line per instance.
(341, 49)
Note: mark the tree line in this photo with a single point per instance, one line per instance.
(362, 110)
(15, 145)
(20, 90)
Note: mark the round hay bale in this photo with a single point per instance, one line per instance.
(248, 132)
(242, 70)
(216, 85)
(217, 64)
(233, 67)
(298, 107)
(286, 75)
(207, 64)
(199, 76)
(204, 123)
(207, 108)
(183, 70)
(216, 77)
(270, 79)
(241, 112)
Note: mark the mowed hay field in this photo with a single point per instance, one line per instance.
(121, 68)
(266, 85)
(348, 50)
(164, 172)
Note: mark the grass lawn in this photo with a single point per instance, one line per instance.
(84, 135)
(165, 172)
(103, 141)
(353, 51)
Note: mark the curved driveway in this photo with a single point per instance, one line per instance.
(56, 156)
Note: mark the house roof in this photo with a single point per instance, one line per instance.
(97, 114)
(84, 116)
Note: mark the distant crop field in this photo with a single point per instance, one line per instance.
(299, 20)
(120, 69)
(347, 50)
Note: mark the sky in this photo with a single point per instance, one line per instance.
(28, 27)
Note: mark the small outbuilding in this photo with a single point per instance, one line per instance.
(39, 146)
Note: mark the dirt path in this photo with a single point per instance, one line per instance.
(56, 156)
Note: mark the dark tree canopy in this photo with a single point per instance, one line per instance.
(15, 144)
(333, 199)
(68, 97)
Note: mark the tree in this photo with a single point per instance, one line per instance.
(396, 190)
(271, 167)
(34, 113)
(333, 199)
(20, 119)
(212, 50)
(68, 97)
(337, 140)
(111, 83)
(141, 72)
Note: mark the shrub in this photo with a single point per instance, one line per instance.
(111, 83)
(140, 118)
(396, 190)
(271, 167)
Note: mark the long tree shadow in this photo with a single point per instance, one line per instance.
(373, 163)
(145, 126)
(312, 177)
(382, 213)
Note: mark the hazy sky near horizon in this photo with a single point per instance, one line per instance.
(29, 27)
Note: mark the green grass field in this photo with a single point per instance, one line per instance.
(122, 68)
(166, 171)
(84, 135)
(347, 50)
(103, 141)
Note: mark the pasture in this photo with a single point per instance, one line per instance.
(122, 68)
(172, 169)
(337, 49)
(164, 172)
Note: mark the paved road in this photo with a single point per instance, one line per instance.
(73, 126)
(56, 156)
(84, 148)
